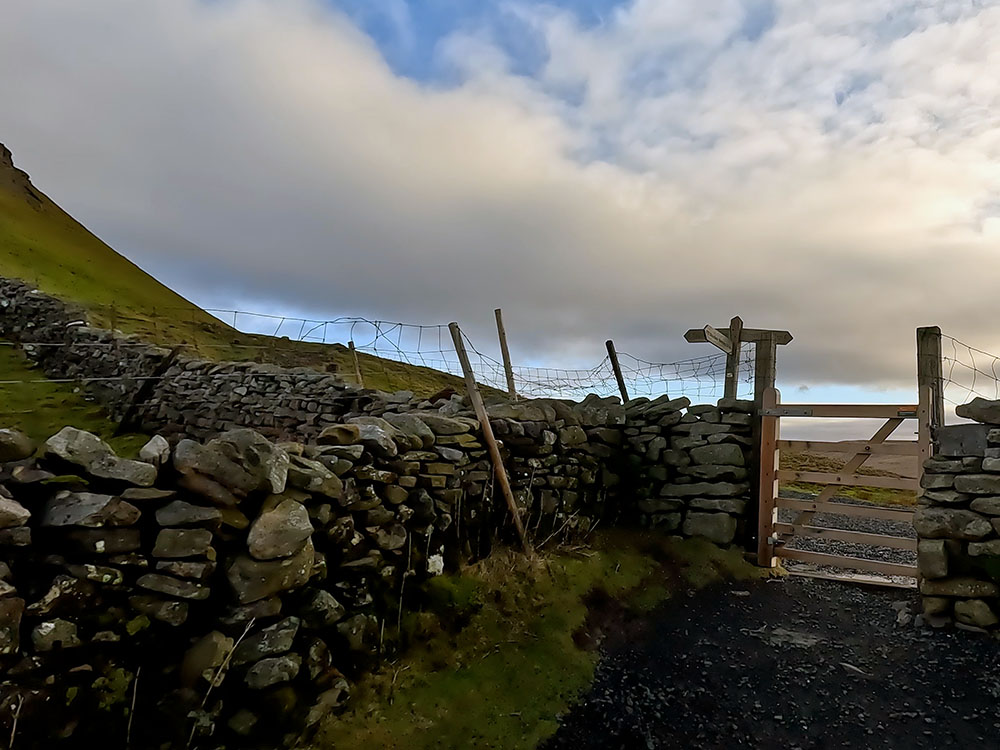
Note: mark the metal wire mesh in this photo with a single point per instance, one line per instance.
(699, 378)
(968, 372)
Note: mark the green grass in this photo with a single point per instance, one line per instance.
(877, 495)
(42, 409)
(503, 679)
(43, 245)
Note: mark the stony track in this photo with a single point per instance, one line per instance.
(791, 663)
(848, 523)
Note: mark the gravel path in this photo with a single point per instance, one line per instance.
(849, 523)
(792, 663)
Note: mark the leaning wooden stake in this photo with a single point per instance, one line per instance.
(613, 356)
(491, 444)
(357, 364)
(508, 369)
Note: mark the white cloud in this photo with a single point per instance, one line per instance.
(828, 176)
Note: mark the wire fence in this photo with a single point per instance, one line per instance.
(431, 346)
(968, 372)
(700, 378)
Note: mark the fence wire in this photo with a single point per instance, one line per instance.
(968, 372)
(700, 378)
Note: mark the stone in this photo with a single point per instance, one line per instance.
(721, 454)
(932, 558)
(181, 513)
(204, 660)
(146, 494)
(738, 405)
(946, 497)
(271, 641)
(716, 473)
(988, 506)
(390, 537)
(985, 549)
(676, 458)
(360, 633)
(97, 573)
(936, 606)
(573, 435)
(966, 588)
(659, 505)
(705, 489)
(329, 702)
(280, 532)
(97, 458)
(937, 481)
(259, 610)
(106, 541)
(978, 484)
(975, 612)
(378, 441)
(980, 410)
(322, 610)
(12, 514)
(716, 527)
(340, 434)
(171, 586)
(735, 505)
(196, 570)
(243, 722)
(252, 579)
(179, 543)
(273, 671)
(156, 451)
(239, 461)
(53, 634)
(952, 465)
(19, 536)
(947, 523)
(314, 477)
(11, 611)
(442, 425)
(88, 510)
(414, 426)
(15, 446)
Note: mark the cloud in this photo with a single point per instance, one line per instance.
(829, 169)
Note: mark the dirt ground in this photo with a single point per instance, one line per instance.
(793, 663)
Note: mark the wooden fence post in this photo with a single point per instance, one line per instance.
(613, 356)
(511, 389)
(930, 409)
(733, 358)
(491, 442)
(765, 366)
(357, 364)
(768, 482)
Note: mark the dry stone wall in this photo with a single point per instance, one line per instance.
(257, 556)
(958, 523)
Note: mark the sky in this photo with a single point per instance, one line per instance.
(604, 169)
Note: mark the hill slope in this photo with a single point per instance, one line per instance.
(42, 244)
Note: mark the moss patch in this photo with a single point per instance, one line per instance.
(504, 676)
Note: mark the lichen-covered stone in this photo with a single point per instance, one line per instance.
(280, 532)
(254, 579)
(716, 527)
(975, 612)
(932, 558)
(947, 523)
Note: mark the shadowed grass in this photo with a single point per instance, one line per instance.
(503, 678)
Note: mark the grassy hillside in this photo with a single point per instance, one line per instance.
(42, 244)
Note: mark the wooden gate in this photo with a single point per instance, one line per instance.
(773, 535)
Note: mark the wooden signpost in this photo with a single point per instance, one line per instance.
(730, 339)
